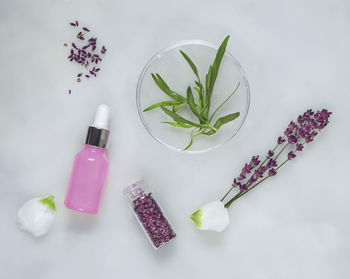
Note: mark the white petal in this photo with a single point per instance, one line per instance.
(35, 217)
(212, 216)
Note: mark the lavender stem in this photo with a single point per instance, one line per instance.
(229, 191)
(279, 153)
(240, 194)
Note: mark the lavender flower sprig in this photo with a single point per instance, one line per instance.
(296, 135)
(214, 216)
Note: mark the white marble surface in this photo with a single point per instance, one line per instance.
(296, 56)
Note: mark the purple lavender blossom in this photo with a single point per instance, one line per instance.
(292, 125)
(300, 119)
(271, 163)
(280, 140)
(247, 168)
(252, 179)
(288, 131)
(292, 139)
(300, 133)
(291, 155)
(270, 154)
(299, 147)
(307, 129)
(308, 139)
(313, 124)
(259, 173)
(255, 161)
(263, 169)
(310, 112)
(272, 172)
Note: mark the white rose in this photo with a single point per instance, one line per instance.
(213, 216)
(37, 215)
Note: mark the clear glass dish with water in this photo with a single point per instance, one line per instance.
(173, 68)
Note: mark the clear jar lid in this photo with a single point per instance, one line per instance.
(135, 189)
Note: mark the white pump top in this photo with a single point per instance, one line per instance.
(101, 117)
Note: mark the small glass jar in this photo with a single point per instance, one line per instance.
(149, 214)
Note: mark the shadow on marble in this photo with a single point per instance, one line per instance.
(81, 222)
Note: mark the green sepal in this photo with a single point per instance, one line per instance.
(196, 217)
(49, 202)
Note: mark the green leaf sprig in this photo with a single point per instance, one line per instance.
(200, 108)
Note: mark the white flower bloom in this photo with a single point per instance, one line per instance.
(37, 215)
(213, 216)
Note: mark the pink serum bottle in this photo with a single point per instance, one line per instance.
(90, 167)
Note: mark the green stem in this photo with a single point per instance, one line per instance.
(229, 191)
(200, 132)
(233, 199)
(227, 205)
(282, 164)
(279, 153)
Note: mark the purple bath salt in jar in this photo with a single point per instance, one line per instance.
(149, 214)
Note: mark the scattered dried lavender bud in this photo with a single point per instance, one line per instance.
(80, 36)
(82, 56)
(70, 91)
(65, 45)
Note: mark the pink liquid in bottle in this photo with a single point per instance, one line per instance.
(90, 167)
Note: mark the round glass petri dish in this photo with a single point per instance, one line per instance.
(175, 71)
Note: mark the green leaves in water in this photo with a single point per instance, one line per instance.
(201, 109)
(165, 88)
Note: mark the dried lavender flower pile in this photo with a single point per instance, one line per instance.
(295, 137)
(85, 52)
(152, 219)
